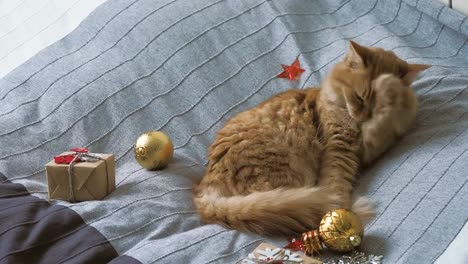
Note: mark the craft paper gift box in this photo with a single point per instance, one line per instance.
(91, 180)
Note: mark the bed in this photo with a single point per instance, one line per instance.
(185, 67)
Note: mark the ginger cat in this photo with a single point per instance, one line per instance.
(277, 168)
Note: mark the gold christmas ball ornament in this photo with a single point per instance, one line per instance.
(341, 230)
(153, 150)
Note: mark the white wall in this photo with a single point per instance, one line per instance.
(459, 5)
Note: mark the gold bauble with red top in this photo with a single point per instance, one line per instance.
(153, 150)
(312, 243)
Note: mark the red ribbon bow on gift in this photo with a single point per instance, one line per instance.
(67, 159)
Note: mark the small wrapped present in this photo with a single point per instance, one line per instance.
(80, 176)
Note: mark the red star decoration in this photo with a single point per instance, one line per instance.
(291, 72)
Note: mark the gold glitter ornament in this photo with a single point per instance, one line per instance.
(153, 150)
(341, 230)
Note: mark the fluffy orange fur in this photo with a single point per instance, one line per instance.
(277, 168)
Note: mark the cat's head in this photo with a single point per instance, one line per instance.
(359, 68)
(374, 61)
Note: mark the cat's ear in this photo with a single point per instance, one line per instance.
(413, 71)
(357, 53)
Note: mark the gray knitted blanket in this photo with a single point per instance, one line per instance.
(185, 67)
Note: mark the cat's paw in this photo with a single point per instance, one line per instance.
(386, 81)
(388, 90)
(395, 102)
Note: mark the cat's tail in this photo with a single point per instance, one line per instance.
(364, 209)
(275, 212)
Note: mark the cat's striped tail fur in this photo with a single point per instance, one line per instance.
(277, 212)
